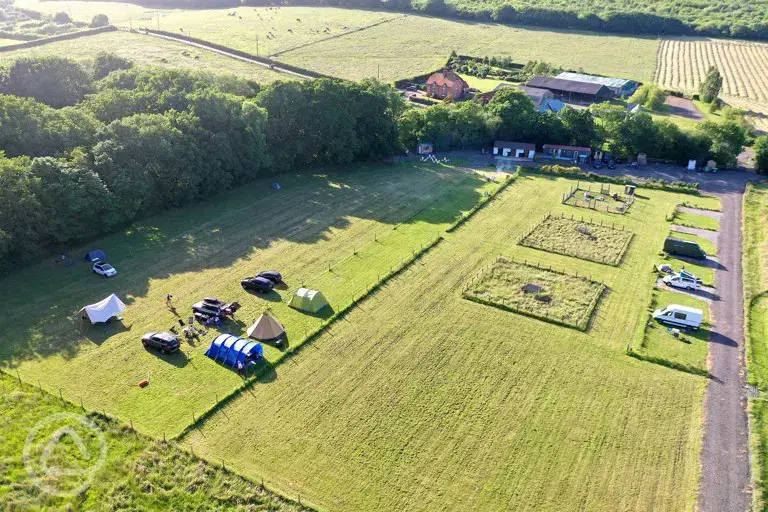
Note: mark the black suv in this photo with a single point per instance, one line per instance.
(164, 341)
(257, 284)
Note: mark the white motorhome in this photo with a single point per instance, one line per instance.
(681, 316)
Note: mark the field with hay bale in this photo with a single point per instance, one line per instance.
(602, 242)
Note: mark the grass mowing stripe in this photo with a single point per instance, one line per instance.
(421, 400)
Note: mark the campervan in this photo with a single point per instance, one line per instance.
(680, 316)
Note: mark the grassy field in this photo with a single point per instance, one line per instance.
(693, 220)
(708, 246)
(147, 51)
(589, 240)
(483, 84)
(539, 292)
(137, 474)
(755, 288)
(422, 400)
(379, 50)
(703, 202)
(328, 39)
(690, 349)
(338, 233)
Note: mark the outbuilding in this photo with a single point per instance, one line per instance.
(570, 90)
(578, 154)
(506, 149)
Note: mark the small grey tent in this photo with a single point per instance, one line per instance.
(266, 328)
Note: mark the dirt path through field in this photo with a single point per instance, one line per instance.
(725, 456)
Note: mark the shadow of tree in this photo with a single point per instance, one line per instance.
(213, 235)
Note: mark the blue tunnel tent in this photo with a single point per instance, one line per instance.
(229, 349)
(96, 254)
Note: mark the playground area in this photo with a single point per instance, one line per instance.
(602, 197)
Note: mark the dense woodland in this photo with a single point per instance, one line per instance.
(90, 148)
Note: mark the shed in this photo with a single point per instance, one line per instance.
(578, 154)
(266, 328)
(619, 86)
(508, 149)
(229, 349)
(308, 300)
(95, 254)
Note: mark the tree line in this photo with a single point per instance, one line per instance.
(88, 149)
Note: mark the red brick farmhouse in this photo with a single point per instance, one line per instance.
(446, 84)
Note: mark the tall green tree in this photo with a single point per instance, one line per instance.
(55, 81)
(516, 113)
(761, 154)
(710, 86)
(728, 139)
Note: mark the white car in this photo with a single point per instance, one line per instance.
(680, 316)
(104, 269)
(683, 280)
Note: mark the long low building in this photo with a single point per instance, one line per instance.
(571, 90)
(619, 86)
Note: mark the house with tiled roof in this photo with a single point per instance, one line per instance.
(447, 84)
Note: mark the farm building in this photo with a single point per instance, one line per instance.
(572, 153)
(538, 96)
(502, 148)
(619, 86)
(445, 84)
(570, 90)
(551, 106)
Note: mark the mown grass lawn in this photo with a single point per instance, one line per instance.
(540, 292)
(144, 50)
(690, 349)
(693, 220)
(338, 232)
(573, 236)
(138, 473)
(703, 202)
(421, 400)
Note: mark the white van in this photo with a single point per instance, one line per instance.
(681, 316)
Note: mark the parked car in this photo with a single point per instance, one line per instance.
(104, 269)
(633, 165)
(597, 164)
(257, 284)
(272, 275)
(211, 307)
(611, 164)
(163, 341)
(680, 316)
(683, 281)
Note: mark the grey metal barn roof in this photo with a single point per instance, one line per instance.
(616, 83)
(514, 145)
(558, 84)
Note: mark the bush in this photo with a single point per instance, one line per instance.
(99, 20)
